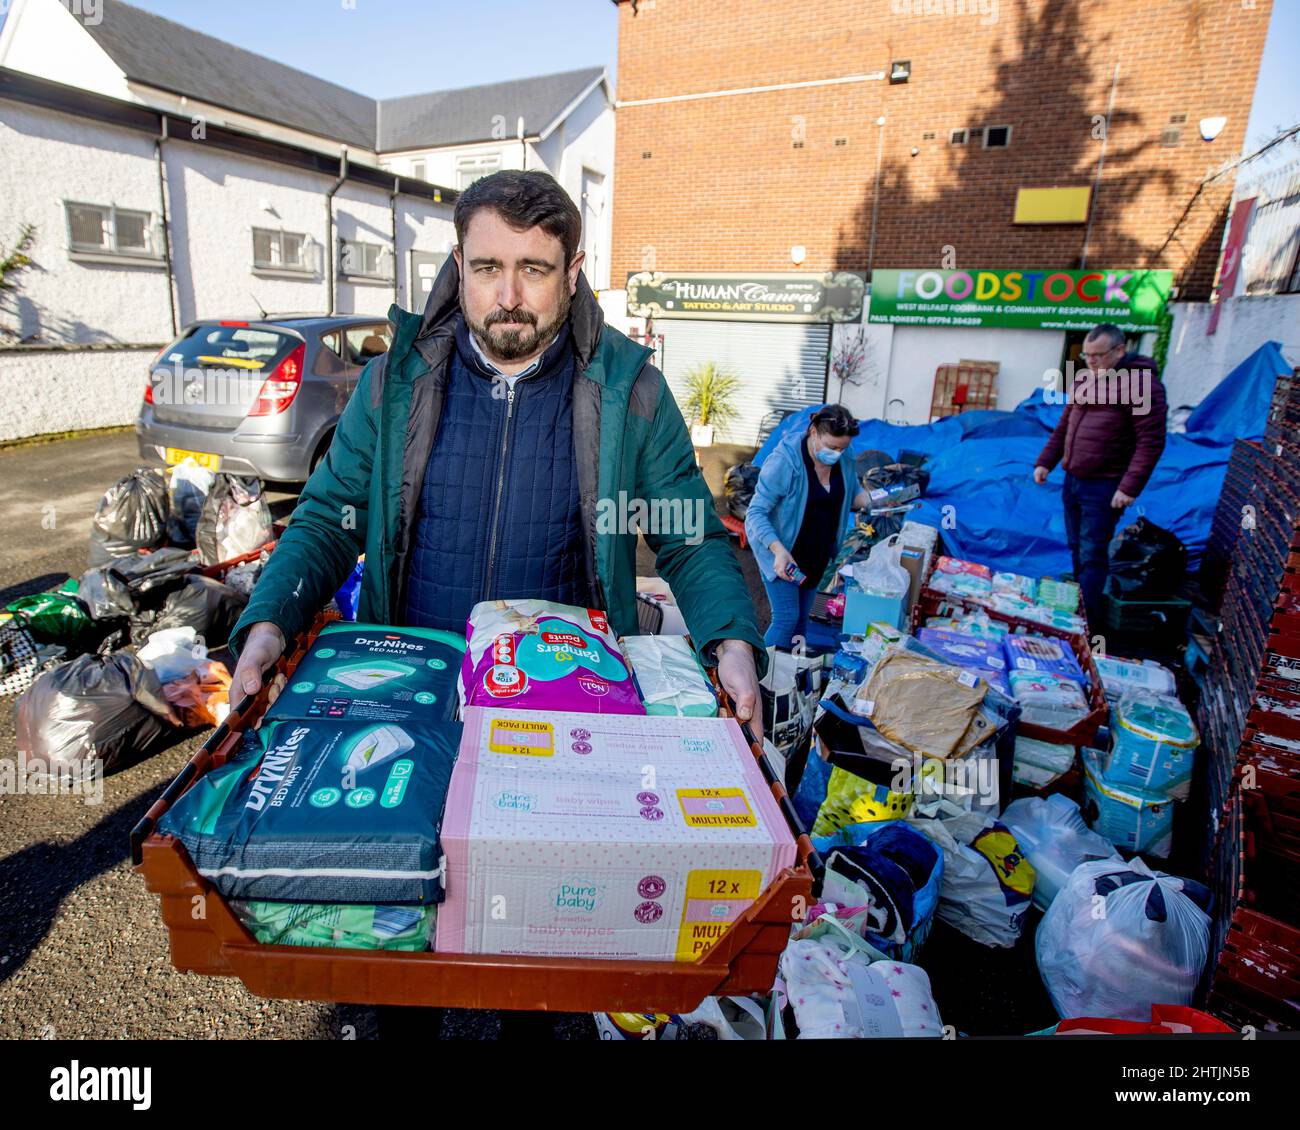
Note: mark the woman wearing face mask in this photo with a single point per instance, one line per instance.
(802, 508)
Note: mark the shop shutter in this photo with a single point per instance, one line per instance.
(780, 365)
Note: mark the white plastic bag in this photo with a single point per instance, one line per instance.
(173, 653)
(1120, 938)
(669, 676)
(987, 881)
(881, 574)
(1055, 838)
(188, 489)
(837, 989)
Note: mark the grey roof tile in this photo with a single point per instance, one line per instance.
(454, 117)
(162, 53)
(169, 55)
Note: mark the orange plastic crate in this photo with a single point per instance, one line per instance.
(207, 937)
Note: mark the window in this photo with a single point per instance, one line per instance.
(997, 137)
(364, 260)
(109, 230)
(957, 137)
(417, 170)
(365, 342)
(470, 169)
(333, 341)
(211, 346)
(279, 250)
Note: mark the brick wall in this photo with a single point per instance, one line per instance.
(724, 186)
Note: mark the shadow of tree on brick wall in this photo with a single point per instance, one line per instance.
(1049, 75)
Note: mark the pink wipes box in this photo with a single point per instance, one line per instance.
(604, 836)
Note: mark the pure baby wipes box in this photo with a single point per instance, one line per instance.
(604, 836)
(374, 673)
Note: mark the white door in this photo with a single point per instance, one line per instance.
(593, 226)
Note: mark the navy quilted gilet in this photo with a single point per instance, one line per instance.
(498, 466)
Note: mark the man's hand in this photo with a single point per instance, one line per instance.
(739, 678)
(263, 645)
(782, 564)
(1040, 475)
(1121, 500)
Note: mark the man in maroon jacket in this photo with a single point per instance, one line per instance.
(1109, 438)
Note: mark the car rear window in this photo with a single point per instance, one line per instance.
(241, 347)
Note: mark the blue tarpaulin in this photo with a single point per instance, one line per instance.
(983, 497)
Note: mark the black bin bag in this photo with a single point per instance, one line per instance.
(108, 708)
(1146, 562)
(131, 516)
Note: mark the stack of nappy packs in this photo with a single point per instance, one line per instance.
(323, 828)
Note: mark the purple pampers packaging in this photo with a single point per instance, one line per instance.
(539, 655)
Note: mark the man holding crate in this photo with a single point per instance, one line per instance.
(478, 459)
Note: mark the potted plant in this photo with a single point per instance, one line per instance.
(710, 401)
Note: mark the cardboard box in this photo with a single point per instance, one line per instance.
(914, 561)
(610, 836)
(863, 608)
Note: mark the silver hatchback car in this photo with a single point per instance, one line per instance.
(258, 396)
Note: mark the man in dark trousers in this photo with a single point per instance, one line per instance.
(1109, 438)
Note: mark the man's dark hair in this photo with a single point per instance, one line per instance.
(1112, 333)
(524, 200)
(835, 420)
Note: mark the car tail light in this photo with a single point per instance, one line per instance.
(279, 389)
(148, 388)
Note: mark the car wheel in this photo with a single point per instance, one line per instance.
(321, 450)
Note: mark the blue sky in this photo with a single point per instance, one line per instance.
(386, 48)
(369, 45)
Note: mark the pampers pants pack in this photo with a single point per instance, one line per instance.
(604, 836)
(537, 655)
(322, 811)
(373, 673)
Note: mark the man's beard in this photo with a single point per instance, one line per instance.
(514, 344)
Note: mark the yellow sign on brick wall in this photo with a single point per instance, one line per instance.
(1052, 205)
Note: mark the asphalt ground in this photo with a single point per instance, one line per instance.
(83, 951)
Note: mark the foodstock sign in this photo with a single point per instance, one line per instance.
(834, 296)
(1028, 299)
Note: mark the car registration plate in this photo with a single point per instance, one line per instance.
(204, 459)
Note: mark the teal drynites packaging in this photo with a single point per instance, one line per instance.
(323, 811)
(373, 673)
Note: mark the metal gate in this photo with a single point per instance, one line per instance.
(782, 367)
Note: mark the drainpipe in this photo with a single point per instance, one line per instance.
(392, 205)
(162, 211)
(329, 231)
(1101, 164)
(875, 197)
(523, 145)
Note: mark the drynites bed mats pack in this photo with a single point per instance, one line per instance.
(323, 811)
(538, 655)
(373, 673)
